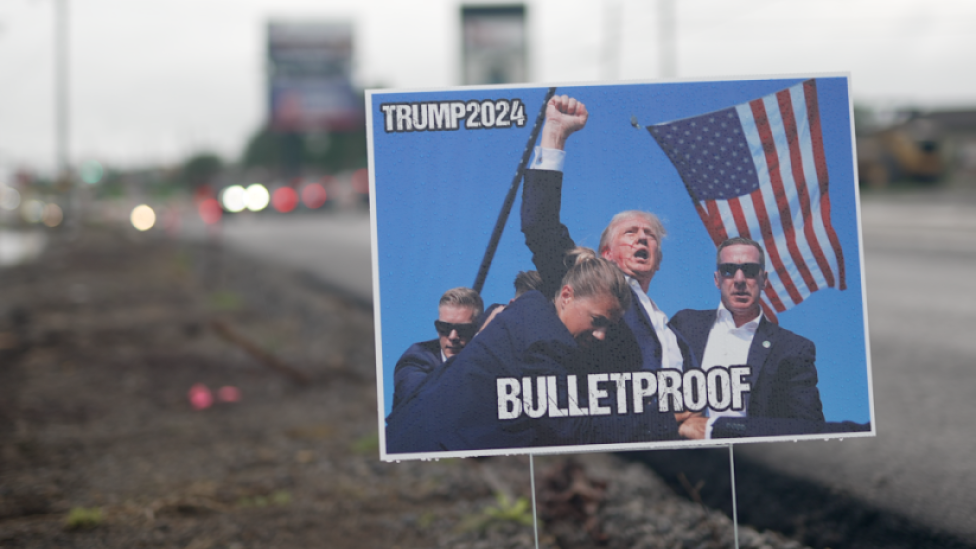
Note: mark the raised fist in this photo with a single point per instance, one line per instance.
(564, 115)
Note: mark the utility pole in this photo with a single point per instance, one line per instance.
(61, 83)
(667, 35)
(62, 113)
(611, 40)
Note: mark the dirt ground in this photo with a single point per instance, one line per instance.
(101, 341)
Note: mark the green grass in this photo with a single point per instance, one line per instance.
(518, 511)
(277, 498)
(226, 300)
(83, 518)
(367, 444)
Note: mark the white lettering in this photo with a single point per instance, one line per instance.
(573, 390)
(388, 116)
(676, 391)
(718, 380)
(554, 409)
(509, 405)
(645, 385)
(693, 388)
(457, 113)
(669, 383)
(488, 113)
(539, 409)
(595, 394)
(439, 113)
(403, 118)
(621, 381)
(417, 110)
(739, 386)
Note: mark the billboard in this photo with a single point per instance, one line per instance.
(493, 44)
(309, 77)
(734, 313)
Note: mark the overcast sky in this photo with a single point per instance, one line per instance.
(153, 80)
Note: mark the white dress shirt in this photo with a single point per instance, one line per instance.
(554, 159)
(727, 346)
(548, 159)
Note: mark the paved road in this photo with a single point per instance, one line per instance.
(335, 246)
(920, 255)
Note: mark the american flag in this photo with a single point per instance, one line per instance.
(758, 170)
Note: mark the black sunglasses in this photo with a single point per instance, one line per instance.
(750, 270)
(465, 331)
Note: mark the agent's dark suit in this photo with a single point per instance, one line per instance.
(456, 406)
(784, 399)
(631, 345)
(414, 365)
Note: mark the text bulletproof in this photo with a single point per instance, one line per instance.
(719, 388)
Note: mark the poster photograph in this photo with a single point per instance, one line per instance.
(604, 267)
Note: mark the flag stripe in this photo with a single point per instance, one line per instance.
(785, 289)
(740, 221)
(810, 175)
(724, 217)
(706, 220)
(813, 114)
(796, 163)
(790, 211)
(749, 211)
(772, 250)
(773, 297)
(779, 195)
(712, 221)
(781, 284)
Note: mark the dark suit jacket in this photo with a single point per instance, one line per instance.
(631, 345)
(784, 399)
(456, 407)
(418, 361)
(414, 365)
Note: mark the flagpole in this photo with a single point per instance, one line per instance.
(496, 234)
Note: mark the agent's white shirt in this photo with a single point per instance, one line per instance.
(727, 346)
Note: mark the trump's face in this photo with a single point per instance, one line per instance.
(634, 247)
(740, 279)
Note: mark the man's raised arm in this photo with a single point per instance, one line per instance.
(545, 236)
